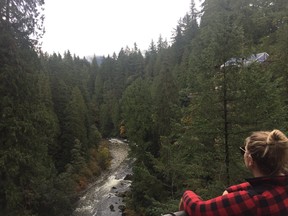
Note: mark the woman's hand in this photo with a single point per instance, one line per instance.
(225, 192)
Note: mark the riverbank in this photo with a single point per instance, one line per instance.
(119, 152)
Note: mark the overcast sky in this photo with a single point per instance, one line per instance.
(101, 27)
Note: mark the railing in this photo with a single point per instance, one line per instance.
(179, 213)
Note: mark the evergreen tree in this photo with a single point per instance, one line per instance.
(137, 110)
(22, 19)
(150, 60)
(27, 126)
(166, 100)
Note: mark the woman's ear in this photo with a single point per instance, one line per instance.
(250, 161)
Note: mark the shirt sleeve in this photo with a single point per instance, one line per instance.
(239, 187)
(235, 203)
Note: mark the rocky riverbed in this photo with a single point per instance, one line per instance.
(105, 196)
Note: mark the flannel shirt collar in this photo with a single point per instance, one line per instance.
(271, 180)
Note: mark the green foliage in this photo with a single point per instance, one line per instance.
(145, 193)
(94, 136)
(34, 107)
(28, 129)
(220, 106)
(104, 157)
(165, 97)
(184, 115)
(137, 110)
(22, 18)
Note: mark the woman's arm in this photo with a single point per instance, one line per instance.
(238, 187)
(234, 203)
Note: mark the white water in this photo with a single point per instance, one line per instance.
(101, 198)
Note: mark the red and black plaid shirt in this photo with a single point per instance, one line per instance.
(258, 196)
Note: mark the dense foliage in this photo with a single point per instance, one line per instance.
(49, 142)
(184, 114)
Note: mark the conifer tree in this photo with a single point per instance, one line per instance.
(26, 124)
(166, 100)
(150, 60)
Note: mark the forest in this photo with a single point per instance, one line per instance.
(184, 110)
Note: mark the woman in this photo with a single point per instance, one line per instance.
(266, 156)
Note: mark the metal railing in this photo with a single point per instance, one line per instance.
(179, 213)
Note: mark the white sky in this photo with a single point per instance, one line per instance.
(101, 27)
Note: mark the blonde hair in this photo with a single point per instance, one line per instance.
(269, 149)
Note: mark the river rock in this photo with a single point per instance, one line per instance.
(128, 177)
(122, 208)
(112, 208)
(121, 194)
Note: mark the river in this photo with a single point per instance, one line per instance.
(104, 197)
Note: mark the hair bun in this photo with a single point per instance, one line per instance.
(275, 136)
